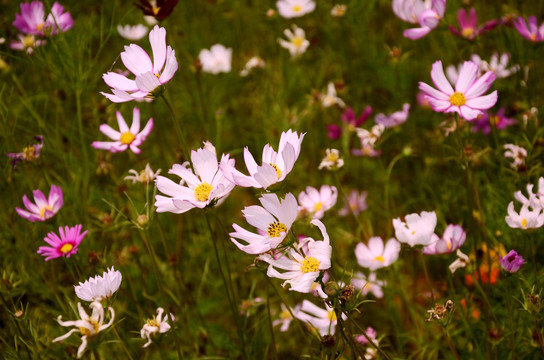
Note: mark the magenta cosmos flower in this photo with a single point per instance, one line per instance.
(512, 262)
(468, 28)
(425, 13)
(466, 99)
(150, 76)
(32, 19)
(126, 137)
(531, 32)
(44, 208)
(66, 245)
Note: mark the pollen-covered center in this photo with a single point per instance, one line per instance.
(379, 258)
(467, 32)
(310, 264)
(39, 27)
(153, 322)
(332, 157)
(457, 99)
(275, 229)
(278, 171)
(297, 41)
(43, 209)
(28, 153)
(202, 191)
(297, 8)
(155, 10)
(127, 138)
(87, 332)
(66, 248)
(524, 223)
(318, 206)
(143, 177)
(28, 41)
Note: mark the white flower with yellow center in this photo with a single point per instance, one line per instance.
(330, 98)
(417, 230)
(285, 318)
(526, 219)
(332, 160)
(295, 8)
(534, 200)
(296, 41)
(339, 10)
(99, 288)
(88, 326)
(368, 284)
(206, 186)
(302, 264)
(145, 176)
(275, 165)
(375, 255)
(273, 221)
(157, 324)
(216, 60)
(317, 202)
(323, 320)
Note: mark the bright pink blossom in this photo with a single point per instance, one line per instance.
(532, 32)
(425, 13)
(468, 28)
(65, 245)
(32, 19)
(44, 208)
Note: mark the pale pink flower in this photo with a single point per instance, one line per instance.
(32, 20)
(285, 317)
(323, 320)
(26, 43)
(156, 325)
(368, 284)
(453, 238)
(217, 59)
(425, 13)
(467, 99)
(516, 153)
(126, 137)
(395, 119)
(294, 8)
(65, 245)
(44, 208)
(317, 202)
(417, 230)
(526, 218)
(99, 288)
(132, 32)
(355, 202)
(375, 255)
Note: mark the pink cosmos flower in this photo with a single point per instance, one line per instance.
(351, 121)
(66, 245)
(376, 254)
(354, 202)
(395, 119)
(150, 76)
(466, 99)
(26, 43)
(531, 32)
(124, 138)
(468, 28)
(32, 19)
(29, 153)
(44, 208)
(453, 238)
(485, 121)
(316, 202)
(427, 14)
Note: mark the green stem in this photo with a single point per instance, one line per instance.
(177, 126)
(270, 326)
(370, 341)
(427, 275)
(122, 344)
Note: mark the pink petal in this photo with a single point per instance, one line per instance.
(110, 132)
(483, 102)
(439, 79)
(136, 59)
(119, 81)
(481, 85)
(157, 38)
(467, 76)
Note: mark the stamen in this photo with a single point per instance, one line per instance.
(278, 171)
(275, 229)
(457, 99)
(310, 264)
(66, 248)
(202, 191)
(127, 138)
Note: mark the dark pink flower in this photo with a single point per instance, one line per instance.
(512, 262)
(32, 20)
(468, 28)
(484, 122)
(65, 245)
(44, 208)
(532, 32)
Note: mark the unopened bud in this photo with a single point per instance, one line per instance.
(348, 293)
(18, 314)
(142, 220)
(332, 288)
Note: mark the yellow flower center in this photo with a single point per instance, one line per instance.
(28, 153)
(39, 27)
(87, 332)
(524, 223)
(153, 322)
(126, 138)
(143, 177)
(310, 264)
(379, 258)
(202, 191)
(297, 8)
(457, 99)
(156, 10)
(318, 206)
(413, 232)
(533, 37)
(43, 209)
(285, 315)
(66, 248)
(332, 157)
(297, 41)
(275, 229)
(28, 41)
(467, 32)
(494, 120)
(278, 171)
(331, 315)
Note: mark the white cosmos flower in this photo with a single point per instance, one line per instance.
(526, 219)
(295, 8)
(303, 263)
(516, 153)
(332, 160)
(461, 261)
(296, 41)
(88, 326)
(376, 255)
(149, 75)
(499, 66)
(417, 230)
(206, 186)
(324, 320)
(99, 287)
(157, 324)
(368, 284)
(254, 62)
(275, 165)
(285, 317)
(535, 200)
(132, 32)
(273, 220)
(217, 59)
(317, 202)
(329, 99)
(145, 176)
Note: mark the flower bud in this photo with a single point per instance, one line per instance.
(512, 262)
(332, 288)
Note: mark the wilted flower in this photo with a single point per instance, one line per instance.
(453, 238)
(303, 263)
(254, 62)
(467, 99)
(296, 41)
(355, 202)
(516, 153)
(460, 262)
(66, 245)
(339, 10)
(376, 255)
(145, 176)
(155, 325)
(126, 137)
(205, 187)
(88, 326)
(332, 160)
(150, 76)
(512, 262)
(44, 208)
(533, 32)
(368, 140)
(132, 32)
(368, 284)
(487, 120)
(217, 59)
(294, 8)
(273, 220)
(32, 21)
(468, 28)
(440, 311)
(526, 219)
(26, 43)
(317, 202)
(29, 153)
(159, 9)
(427, 13)
(395, 119)
(417, 230)
(534, 200)
(99, 287)
(329, 99)
(324, 320)
(275, 165)
(285, 317)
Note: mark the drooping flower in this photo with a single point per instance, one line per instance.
(467, 99)
(65, 245)
(26, 43)
(294, 8)
(216, 60)
(355, 202)
(375, 255)
(126, 137)
(99, 288)
(155, 325)
(368, 284)
(512, 262)
(87, 326)
(159, 9)
(423, 12)
(461, 262)
(534, 200)
(323, 320)
(145, 176)
(275, 165)
(273, 221)
(453, 238)
(302, 264)
(339, 10)
(368, 140)
(285, 317)
(29, 153)
(417, 230)
(395, 119)
(332, 160)
(32, 20)
(150, 76)
(317, 202)
(532, 32)
(252, 63)
(329, 99)
(526, 218)
(487, 120)
(132, 32)
(296, 41)
(351, 121)
(517, 154)
(468, 27)
(44, 208)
